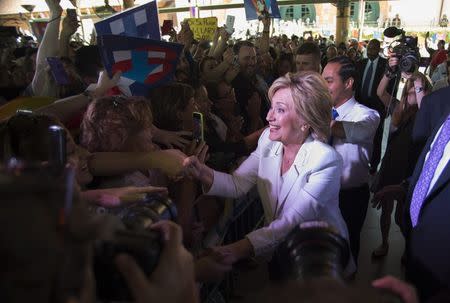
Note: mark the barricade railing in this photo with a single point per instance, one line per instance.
(240, 216)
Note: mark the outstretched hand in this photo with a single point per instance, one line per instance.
(171, 139)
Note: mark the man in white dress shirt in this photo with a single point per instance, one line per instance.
(352, 131)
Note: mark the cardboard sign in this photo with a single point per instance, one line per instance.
(203, 28)
(139, 21)
(144, 63)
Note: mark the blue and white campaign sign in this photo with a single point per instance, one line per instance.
(144, 63)
(141, 22)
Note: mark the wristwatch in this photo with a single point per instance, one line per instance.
(419, 89)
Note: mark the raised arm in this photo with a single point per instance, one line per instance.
(222, 43)
(69, 27)
(48, 47)
(264, 42)
(65, 109)
(170, 161)
(218, 73)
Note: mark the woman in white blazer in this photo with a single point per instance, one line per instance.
(297, 174)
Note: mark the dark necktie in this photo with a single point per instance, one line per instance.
(428, 171)
(334, 115)
(366, 84)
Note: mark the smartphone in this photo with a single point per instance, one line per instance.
(58, 71)
(229, 25)
(166, 27)
(197, 131)
(72, 13)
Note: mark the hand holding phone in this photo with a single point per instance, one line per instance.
(197, 131)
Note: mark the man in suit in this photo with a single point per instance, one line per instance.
(427, 209)
(371, 71)
(427, 212)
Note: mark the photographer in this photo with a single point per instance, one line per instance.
(401, 153)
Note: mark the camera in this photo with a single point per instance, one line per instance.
(405, 49)
(136, 240)
(315, 251)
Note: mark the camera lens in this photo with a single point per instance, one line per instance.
(314, 250)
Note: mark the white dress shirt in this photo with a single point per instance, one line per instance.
(360, 124)
(372, 77)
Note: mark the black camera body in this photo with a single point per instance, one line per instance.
(136, 240)
(405, 49)
(314, 250)
(143, 246)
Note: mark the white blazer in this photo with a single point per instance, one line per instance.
(310, 190)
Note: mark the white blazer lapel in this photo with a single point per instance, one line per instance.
(269, 178)
(293, 174)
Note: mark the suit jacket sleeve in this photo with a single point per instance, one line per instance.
(320, 187)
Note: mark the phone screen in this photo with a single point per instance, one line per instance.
(197, 131)
(58, 71)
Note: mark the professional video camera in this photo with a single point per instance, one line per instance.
(405, 48)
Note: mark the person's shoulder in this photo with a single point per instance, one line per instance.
(322, 153)
(363, 110)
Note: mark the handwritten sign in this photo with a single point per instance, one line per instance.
(203, 28)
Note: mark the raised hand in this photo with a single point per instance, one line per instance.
(171, 139)
(69, 26)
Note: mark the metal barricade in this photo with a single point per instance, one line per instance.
(240, 217)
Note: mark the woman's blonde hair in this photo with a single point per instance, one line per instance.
(312, 101)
